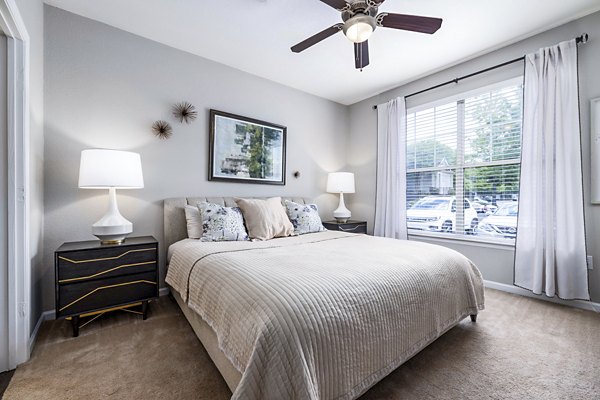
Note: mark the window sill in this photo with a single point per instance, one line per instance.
(500, 243)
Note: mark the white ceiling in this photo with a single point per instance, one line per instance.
(256, 35)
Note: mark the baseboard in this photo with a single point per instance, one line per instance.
(582, 304)
(51, 314)
(46, 315)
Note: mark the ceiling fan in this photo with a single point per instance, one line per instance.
(360, 20)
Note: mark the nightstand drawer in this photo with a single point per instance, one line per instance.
(354, 228)
(350, 226)
(79, 298)
(85, 265)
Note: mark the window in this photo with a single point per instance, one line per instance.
(466, 152)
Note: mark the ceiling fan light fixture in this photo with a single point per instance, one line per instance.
(359, 28)
(360, 19)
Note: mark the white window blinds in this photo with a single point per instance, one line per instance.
(463, 159)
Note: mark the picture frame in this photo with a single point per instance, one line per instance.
(246, 150)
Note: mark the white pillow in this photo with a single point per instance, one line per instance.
(265, 219)
(304, 217)
(193, 221)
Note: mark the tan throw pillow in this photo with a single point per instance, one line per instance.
(265, 219)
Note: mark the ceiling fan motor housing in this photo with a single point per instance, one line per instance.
(364, 7)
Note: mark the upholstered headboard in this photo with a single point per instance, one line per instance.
(175, 228)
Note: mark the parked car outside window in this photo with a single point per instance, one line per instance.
(483, 207)
(438, 214)
(502, 223)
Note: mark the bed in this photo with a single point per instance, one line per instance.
(320, 316)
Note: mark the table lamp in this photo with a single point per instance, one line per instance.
(111, 169)
(341, 182)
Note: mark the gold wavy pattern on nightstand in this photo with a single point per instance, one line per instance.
(105, 272)
(106, 287)
(106, 258)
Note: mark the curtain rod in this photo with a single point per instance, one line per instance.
(580, 39)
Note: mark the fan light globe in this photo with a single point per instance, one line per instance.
(359, 28)
(359, 32)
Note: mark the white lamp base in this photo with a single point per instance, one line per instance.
(112, 228)
(342, 214)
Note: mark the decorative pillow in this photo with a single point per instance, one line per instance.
(265, 219)
(221, 223)
(194, 222)
(304, 217)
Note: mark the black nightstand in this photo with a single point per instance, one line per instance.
(349, 226)
(92, 278)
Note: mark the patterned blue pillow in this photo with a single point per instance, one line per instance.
(304, 217)
(221, 223)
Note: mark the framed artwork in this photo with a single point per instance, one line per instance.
(246, 150)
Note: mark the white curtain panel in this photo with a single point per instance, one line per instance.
(551, 252)
(390, 201)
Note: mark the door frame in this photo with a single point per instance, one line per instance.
(19, 263)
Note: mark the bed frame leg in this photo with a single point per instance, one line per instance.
(474, 317)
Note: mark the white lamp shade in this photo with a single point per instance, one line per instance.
(102, 168)
(340, 182)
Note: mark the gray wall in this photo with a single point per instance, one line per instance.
(32, 12)
(105, 87)
(496, 263)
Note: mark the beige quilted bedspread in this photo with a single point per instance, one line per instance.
(324, 315)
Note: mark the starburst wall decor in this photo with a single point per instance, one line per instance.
(162, 129)
(184, 112)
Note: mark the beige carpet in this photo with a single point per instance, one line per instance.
(519, 349)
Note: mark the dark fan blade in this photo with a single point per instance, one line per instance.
(413, 23)
(337, 4)
(317, 38)
(361, 54)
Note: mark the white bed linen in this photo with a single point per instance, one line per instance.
(324, 315)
